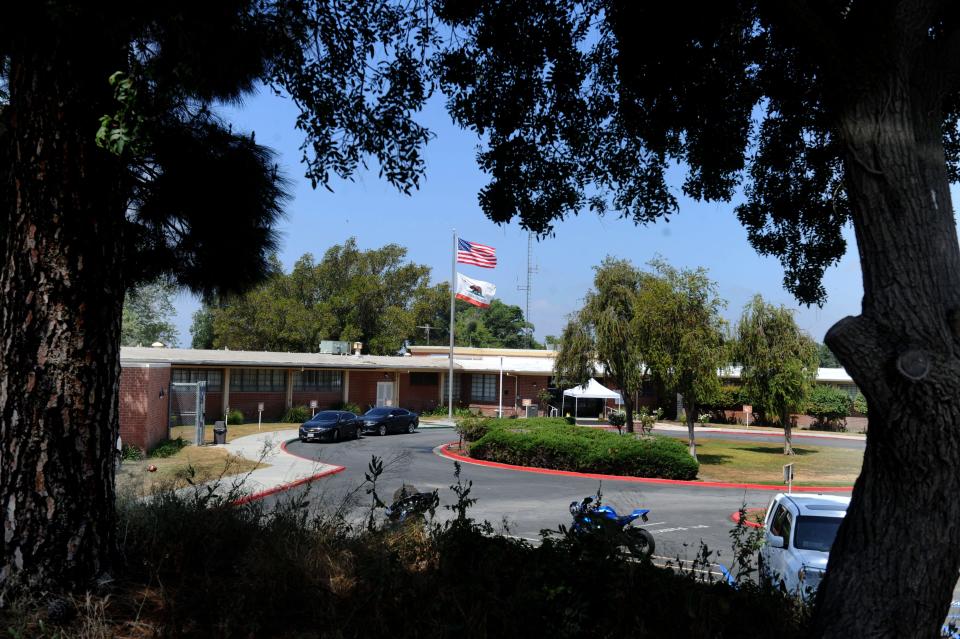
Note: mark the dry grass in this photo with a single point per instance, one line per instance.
(197, 464)
(762, 463)
(233, 431)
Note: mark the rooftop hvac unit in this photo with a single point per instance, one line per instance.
(530, 411)
(330, 347)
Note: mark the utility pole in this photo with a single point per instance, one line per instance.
(528, 287)
(427, 328)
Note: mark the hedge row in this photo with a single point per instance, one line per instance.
(551, 443)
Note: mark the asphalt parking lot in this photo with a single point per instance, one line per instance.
(522, 504)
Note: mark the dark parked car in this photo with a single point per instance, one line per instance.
(390, 420)
(331, 425)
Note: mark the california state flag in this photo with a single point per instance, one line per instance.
(476, 292)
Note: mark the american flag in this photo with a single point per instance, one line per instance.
(476, 254)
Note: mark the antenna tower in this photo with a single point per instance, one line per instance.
(528, 287)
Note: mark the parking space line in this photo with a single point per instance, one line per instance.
(680, 528)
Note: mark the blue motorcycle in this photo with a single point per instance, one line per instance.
(590, 517)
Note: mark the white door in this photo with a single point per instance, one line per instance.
(384, 393)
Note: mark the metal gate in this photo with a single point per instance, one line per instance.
(188, 407)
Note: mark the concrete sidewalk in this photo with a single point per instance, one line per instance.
(731, 428)
(437, 422)
(285, 470)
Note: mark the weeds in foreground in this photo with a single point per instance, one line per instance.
(191, 565)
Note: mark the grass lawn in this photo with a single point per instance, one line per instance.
(207, 463)
(762, 463)
(233, 431)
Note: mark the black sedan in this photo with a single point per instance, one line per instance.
(390, 420)
(331, 425)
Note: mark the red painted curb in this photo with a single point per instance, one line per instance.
(735, 518)
(283, 447)
(246, 499)
(446, 452)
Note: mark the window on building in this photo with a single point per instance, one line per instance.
(423, 379)
(258, 380)
(212, 376)
(456, 388)
(320, 381)
(483, 388)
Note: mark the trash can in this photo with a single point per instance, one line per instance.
(220, 433)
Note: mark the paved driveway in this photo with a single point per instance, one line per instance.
(525, 503)
(522, 503)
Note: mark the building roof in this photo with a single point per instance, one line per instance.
(425, 358)
(199, 357)
(130, 356)
(442, 351)
(834, 375)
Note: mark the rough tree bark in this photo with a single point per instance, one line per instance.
(690, 410)
(60, 318)
(787, 423)
(628, 410)
(900, 542)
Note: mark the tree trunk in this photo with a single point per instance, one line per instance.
(897, 555)
(690, 410)
(628, 411)
(787, 431)
(60, 320)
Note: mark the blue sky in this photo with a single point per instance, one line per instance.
(701, 234)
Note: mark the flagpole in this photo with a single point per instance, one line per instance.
(453, 290)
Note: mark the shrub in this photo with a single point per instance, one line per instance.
(544, 397)
(131, 452)
(283, 571)
(828, 405)
(617, 418)
(648, 419)
(860, 404)
(168, 448)
(549, 443)
(473, 428)
(235, 417)
(350, 407)
(296, 415)
(440, 410)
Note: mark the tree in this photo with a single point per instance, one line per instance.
(147, 310)
(349, 295)
(115, 170)
(201, 329)
(681, 335)
(778, 362)
(824, 113)
(498, 326)
(605, 332)
(860, 404)
(827, 358)
(828, 405)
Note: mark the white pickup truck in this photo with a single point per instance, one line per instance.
(800, 529)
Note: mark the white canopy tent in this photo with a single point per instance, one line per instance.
(593, 390)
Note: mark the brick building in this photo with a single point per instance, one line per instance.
(485, 380)
(245, 379)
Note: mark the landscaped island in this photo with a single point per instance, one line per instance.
(553, 443)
